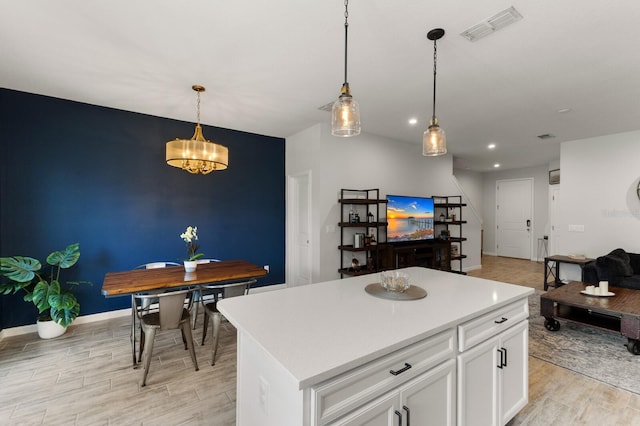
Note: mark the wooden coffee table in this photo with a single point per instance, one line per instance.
(619, 313)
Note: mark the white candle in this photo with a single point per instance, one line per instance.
(604, 287)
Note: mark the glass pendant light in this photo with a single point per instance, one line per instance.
(345, 114)
(197, 155)
(434, 140)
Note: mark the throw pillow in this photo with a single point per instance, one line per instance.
(610, 268)
(627, 271)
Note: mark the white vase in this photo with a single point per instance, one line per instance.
(50, 329)
(190, 265)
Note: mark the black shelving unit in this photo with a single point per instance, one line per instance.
(371, 213)
(448, 223)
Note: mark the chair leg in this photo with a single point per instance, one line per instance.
(184, 338)
(141, 350)
(186, 327)
(148, 350)
(204, 327)
(216, 333)
(196, 305)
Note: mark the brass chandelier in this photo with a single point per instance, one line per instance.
(197, 155)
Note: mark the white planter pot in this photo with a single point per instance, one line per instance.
(190, 265)
(50, 329)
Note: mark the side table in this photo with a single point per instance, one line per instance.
(553, 269)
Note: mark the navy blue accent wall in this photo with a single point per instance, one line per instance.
(73, 172)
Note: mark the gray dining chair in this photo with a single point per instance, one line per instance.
(172, 312)
(200, 294)
(210, 307)
(140, 308)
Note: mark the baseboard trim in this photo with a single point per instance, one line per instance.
(101, 316)
(31, 328)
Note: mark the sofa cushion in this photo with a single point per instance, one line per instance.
(635, 262)
(629, 282)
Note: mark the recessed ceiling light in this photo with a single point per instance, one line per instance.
(413, 121)
(495, 166)
(564, 110)
(491, 146)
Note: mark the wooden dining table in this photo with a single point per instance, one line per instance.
(125, 283)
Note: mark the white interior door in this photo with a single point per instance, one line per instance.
(299, 229)
(514, 218)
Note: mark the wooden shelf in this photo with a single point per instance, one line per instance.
(361, 201)
(451, 206)
(367, 205)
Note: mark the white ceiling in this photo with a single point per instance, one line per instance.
(269, 65)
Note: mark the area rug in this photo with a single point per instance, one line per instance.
(595, 353)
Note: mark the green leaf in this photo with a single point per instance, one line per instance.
(65, 259)
(196, 256)
(42, 292)
(64, 308)
(19, 268)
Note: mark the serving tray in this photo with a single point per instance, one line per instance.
(412, 293)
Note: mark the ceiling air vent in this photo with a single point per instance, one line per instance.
(490, 25)
(546, 136)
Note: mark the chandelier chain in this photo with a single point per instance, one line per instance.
(198, 106)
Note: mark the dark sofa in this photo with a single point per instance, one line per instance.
(620, 268)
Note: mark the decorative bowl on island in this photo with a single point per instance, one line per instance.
(394, 281)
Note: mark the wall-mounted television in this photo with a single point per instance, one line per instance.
(409, 218)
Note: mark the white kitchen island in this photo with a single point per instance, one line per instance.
(330, 353)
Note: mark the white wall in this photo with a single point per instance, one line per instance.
(364, 162)
(599, 178)
(540, 177)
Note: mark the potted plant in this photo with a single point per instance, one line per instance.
(190, 236)
(57, 305)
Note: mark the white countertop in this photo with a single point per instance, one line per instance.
(320, 330)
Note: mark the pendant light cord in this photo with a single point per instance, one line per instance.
(435, 52)
(346, 30)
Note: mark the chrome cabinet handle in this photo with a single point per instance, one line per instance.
(402, 370)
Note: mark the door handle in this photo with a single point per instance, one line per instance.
(399, 414)
(528, 223)
(405, 408)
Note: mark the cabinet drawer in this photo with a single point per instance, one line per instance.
(338, 396)
(480, 329)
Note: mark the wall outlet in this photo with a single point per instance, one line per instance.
(266, 268)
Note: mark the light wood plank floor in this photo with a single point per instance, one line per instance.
(85, 378)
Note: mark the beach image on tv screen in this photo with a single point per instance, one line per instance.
(409, 218)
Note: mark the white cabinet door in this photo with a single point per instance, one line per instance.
(478, 384)
(514, 380)
(493, 378)
(430, 399)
